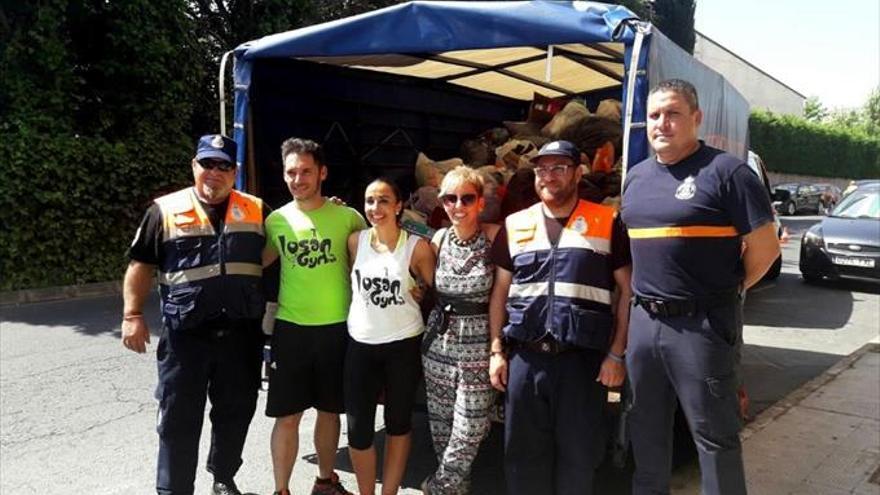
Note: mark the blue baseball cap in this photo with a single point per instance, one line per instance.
(559, 148)
(216, 146)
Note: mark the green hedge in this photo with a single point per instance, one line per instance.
(793, 145)
(69, 206)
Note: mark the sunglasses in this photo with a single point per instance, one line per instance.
(222, 165)
(466, 199)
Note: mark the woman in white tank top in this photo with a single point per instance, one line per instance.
(385, 325)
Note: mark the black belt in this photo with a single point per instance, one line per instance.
(683, 307)
(449, 305)
(545, 345)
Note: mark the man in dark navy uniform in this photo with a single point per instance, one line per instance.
(558, 265)
(701, 231)
(204, 246)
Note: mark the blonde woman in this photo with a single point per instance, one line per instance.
(455, 354)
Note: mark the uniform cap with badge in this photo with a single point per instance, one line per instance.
(559, 148)
(216, 146)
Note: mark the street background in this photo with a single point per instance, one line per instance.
(77, 413)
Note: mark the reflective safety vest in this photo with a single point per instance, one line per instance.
(204, 275)
(564, 290)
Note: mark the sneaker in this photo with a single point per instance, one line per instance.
(329, 486)
(225, 488)
(282, 492)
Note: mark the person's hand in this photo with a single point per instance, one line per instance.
(135, 333)
(417, 292)
(744, 402)
(498, 371)
(337, 201)
(612, 372)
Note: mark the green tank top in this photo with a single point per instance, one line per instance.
(313, 250)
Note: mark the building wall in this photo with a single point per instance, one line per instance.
(761, 90)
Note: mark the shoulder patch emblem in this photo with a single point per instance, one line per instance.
(687, 189)
(580, 225)
(237, 214)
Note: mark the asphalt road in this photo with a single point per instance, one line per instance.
(77, 413)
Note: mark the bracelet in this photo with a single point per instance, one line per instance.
(617, 358)
(492, 353)
(132, 316)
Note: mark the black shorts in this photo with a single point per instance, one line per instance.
(306, 368)
(370, 369)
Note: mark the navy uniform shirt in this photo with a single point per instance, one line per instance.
(685, 223)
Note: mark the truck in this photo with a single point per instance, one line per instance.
(378, 88)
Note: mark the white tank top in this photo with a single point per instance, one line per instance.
(382, 309)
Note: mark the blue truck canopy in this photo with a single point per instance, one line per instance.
(505, 51)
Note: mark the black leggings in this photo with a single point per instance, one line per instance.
(370, 369)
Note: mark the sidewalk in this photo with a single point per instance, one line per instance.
(823, 438)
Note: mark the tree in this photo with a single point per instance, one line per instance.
(814, 110)
(871, 113)
(96, 104)
(675, 18)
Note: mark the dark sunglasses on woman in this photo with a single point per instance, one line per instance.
(466, 199)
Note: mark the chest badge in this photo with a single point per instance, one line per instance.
(580, 225)
(687, 189)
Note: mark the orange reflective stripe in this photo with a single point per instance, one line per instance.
(684, 231)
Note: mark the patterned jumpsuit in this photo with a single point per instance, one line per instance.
(456, 363)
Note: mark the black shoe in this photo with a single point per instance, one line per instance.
(225, 488)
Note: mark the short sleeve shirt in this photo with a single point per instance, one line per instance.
(313, 249)
(686, 222)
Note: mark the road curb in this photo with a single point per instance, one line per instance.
(27, 296)
(782, 406)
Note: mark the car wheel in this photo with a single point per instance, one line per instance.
(790, 208)
(775, 269)
(811, 278)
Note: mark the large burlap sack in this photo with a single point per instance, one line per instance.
(570, 117)
(609, 109)
(430, 172)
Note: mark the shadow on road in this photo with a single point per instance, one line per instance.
(771, 373)
(88, 316)
(781, 303)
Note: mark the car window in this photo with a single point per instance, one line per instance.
(859, 205)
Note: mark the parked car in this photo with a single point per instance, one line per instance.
(847, 241)
(789, 199)
(757, 165)
(830, 196)
(853, 184)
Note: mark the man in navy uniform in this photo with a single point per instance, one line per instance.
(557, 265)
(701, 231)
(204, 245)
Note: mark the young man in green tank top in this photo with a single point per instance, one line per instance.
(309, 234)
